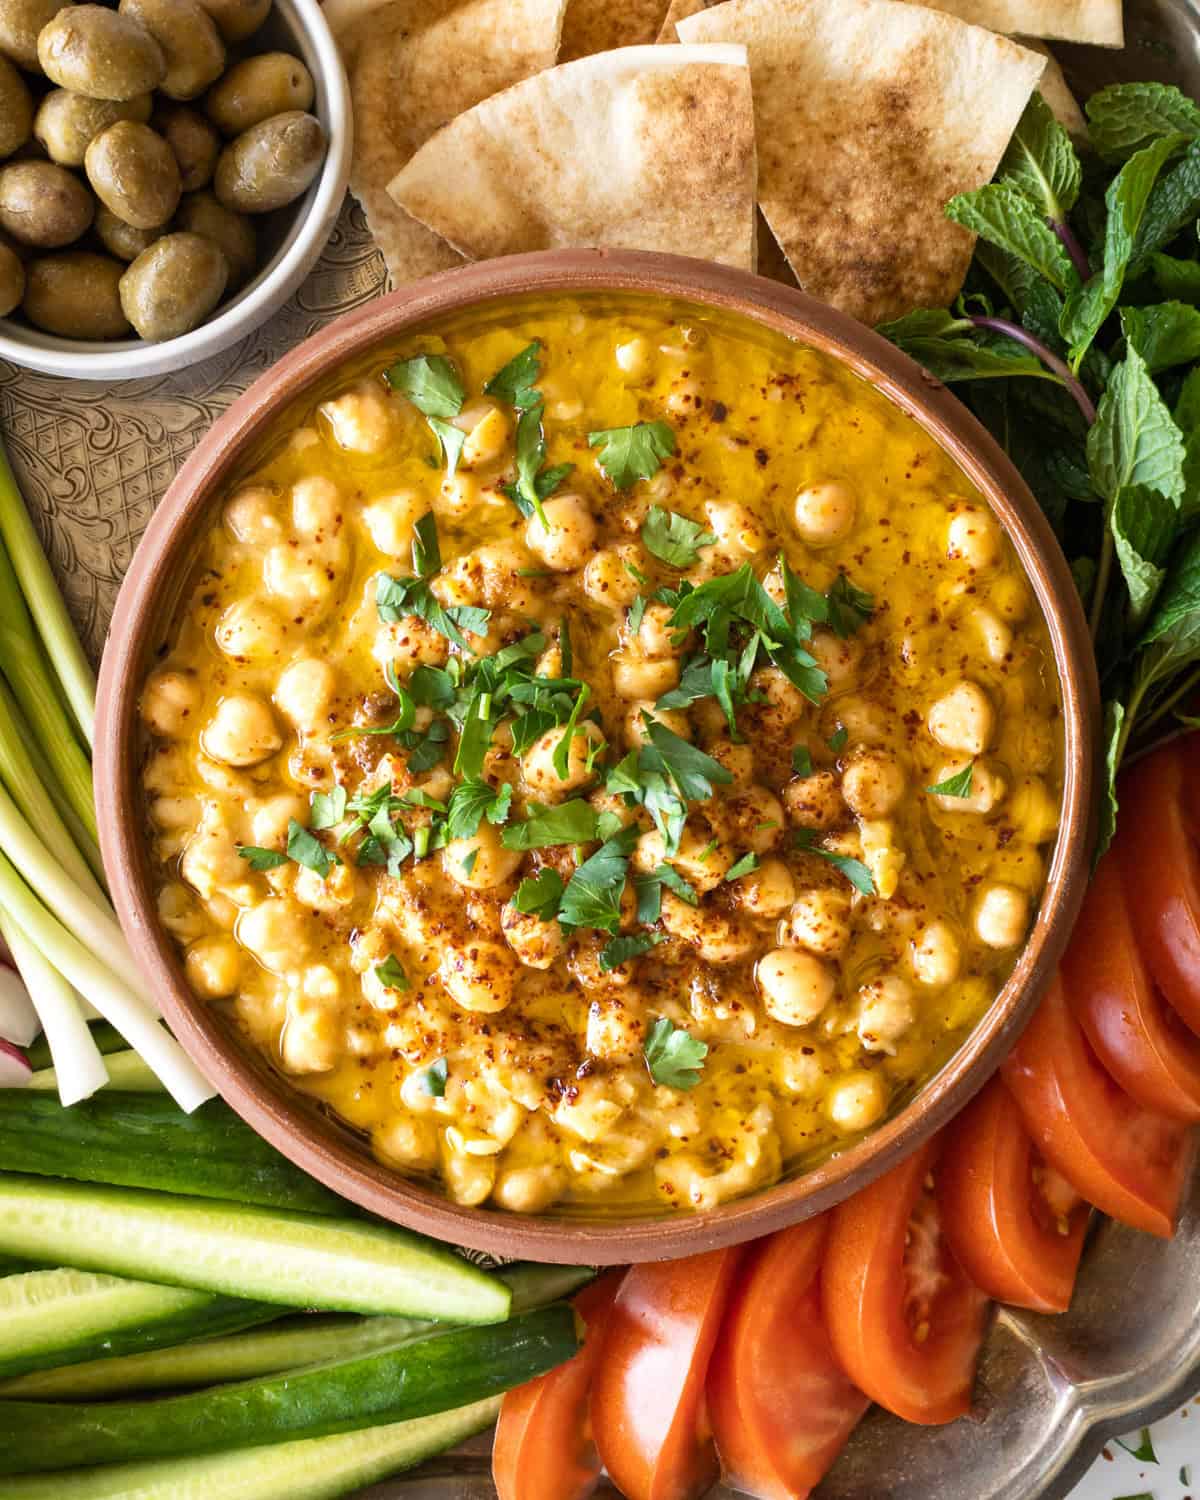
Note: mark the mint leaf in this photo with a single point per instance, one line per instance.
(1003, 215)
(1135, 441)
(1177, 279)
(674, 1057)
(628, 454)
(673, 538)
(1112, 738)
(1127, 117)
(952, 349)
(620, 950)
(593, 894)
(328, 808)
(958, 785)
(309, 851)
(1172, 206)
(516, 382)
(853, 869)
(1164, 334)
(1187, 419)
(1174, 629)
(433, 1079)
(1041, 161)
(540, 894)
(573, 822)
(391, 975)
(431, 383)
(1144, 525)
(261, 859)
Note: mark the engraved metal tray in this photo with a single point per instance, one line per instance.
(94, 459)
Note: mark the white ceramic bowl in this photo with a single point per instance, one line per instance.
(294, 236)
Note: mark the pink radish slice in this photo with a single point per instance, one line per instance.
(15, 1071)
(18, 1020)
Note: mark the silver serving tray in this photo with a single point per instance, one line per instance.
(93, 461)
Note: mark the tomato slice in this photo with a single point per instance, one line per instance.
(543, 1448)
(649, 1415)
(1130, 1162)
(781, 1406)
(1160, 869)
(1014, 1226)
(1133, 1031)
(904, 1320)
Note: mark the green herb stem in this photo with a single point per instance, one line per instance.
(1191, 681)
(1071, 382)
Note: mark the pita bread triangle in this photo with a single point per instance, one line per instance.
(591, 26)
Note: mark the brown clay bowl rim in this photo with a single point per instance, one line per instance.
(281, 1114)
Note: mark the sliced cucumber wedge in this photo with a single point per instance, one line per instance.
(317, 1469)
(126, 1070)
(427, 1375)
(261, 1254)
(52, 1318)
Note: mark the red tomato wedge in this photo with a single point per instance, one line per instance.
(1133, 1031)
(1130, 1162)
(1160, 869)
(1014, 1226)
(904, 1321)
(649, 1415)
(543, 1448)
(780, 1405)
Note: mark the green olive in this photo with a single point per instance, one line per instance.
(193, 140)
(200, 213)
(20, 22)
(172, 287)
(188, 37)
(16, 109)
(66, 123)
(133, 171)
(75, 295)
(237, 19)
(256, 88)
(121, 239)
(271, 163)
(12, 280)
(42, 204)
(100, 53)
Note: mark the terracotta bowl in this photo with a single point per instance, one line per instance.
(331, 1152)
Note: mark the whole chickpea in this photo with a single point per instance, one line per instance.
(885, 1013)
(538, 768)
(1001, 915)
(242, 732)
(478, 976)
(213, 966)
(873, 784)
(825, 513)
(820, 921)
(796, 986)
(570, 538)
(963, 719)
(170, 701)
(480, 861)
(814, 801)
(936, 956)
(973, 538)
(857, 1101)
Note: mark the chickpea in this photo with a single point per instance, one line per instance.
(486, 427)
(973, 538)
(873, 784)
(251, 516)
(716, 938)
(169, 703)
(478, 976)
(738, 760)
(214, 967)
(825, 513)
(1001, 915)
(865, 722)
(361, 422)
(607, 578)
(701, 865)
(814, 801)
(1010, 596)
(571, 535)
(408, 1142)
(316, 507)
(820, 921)
(481, 861)
(996, 636)
(796, 986)
(856, 1101)
(616, 1027)
(326, 893)
(767, 891)
(390, 521)
(988, 789)
(538, 768)
(936, 956)
(736, 528)
(537, 943)
(309, 1042)
(674, 719)
(274, 932)
(838, 659)
(529, 1190)
(633, 357)
(784, 704)
(269, 820)
(469, 1179)
(249, 631)
(885, 1013)
(1034, 810)
(304, 693)
(409, 643)
(963, 719)
(297, 577)
(242, 732)
(751, 819)
(635, 677)
(458, 494)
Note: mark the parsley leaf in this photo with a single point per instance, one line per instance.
(1144, 1452)
(451, 442)
(433, 1079)
(674, 539)
(848, 607)
(958, 785)
(853, 869)
(470, 802)
(395, 598)
(516, 381)
(391, 975)
(426, 549)
(802, 762)
(573, 822)
(744, 866)
(628, 454)
(593, 894)
(674, 1057)
(431, 383)
(309, 851)
(837, 740)
(261, 859)
(620, 950)
(540, 894)
(328, 808)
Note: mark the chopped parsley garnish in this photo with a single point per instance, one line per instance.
(853, 869)
(516, 382)
(674, 539)
(261, 859)
(309, 851)
(837, 740)
(573, 822)
(391, 975)
(396, 598)
(620, 950)
(432, 1080)
(649, 892)
(802, 762)
(451, 442)
(674, 1057)
(744, 866)
(663, 776)
(593, 894)
(539, 894)
(328, 808)
(628, 454)
(471, 802)
(431, 383)
(958, 785)
(847, 607)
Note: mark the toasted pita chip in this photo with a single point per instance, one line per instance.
(870, 116)
(1056, 91)
(1096, 21)
(414, 65)
(648, 148)
(592, 26)
(679, 10)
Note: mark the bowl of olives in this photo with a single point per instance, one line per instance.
(170, 171)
